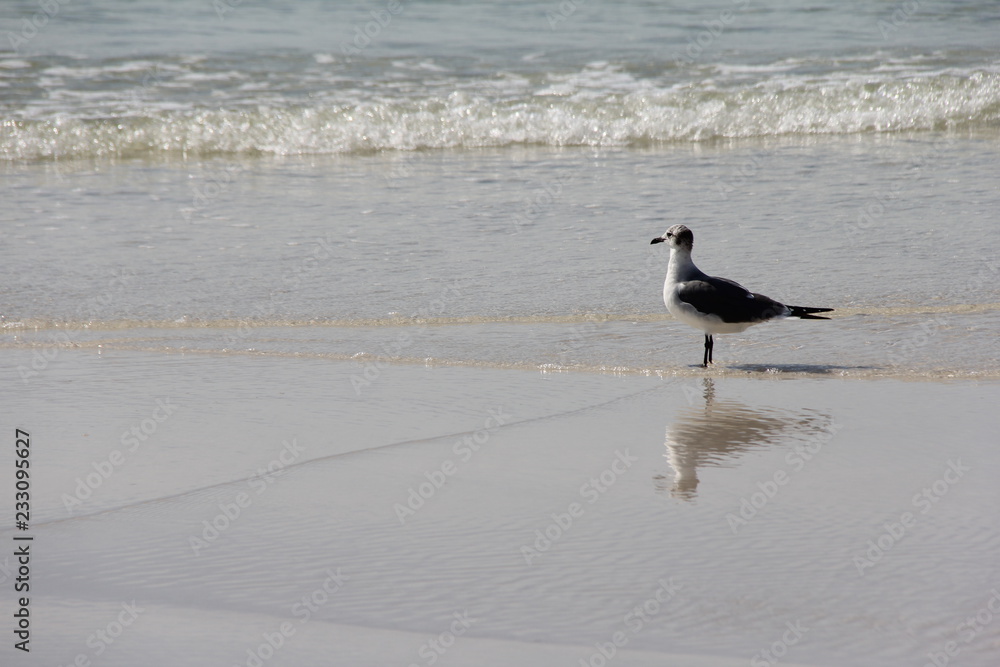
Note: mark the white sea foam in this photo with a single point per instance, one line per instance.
(583, 117)
(198, 106)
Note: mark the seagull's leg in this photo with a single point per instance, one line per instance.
(709, 344)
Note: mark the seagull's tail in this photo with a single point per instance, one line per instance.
(807, 313)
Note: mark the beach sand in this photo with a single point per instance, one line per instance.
(288, 509)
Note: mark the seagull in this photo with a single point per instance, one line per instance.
(716, 305)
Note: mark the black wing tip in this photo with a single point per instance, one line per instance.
(805, 313)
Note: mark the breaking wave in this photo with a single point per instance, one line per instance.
(603, 105)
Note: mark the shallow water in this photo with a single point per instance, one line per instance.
(535, 273)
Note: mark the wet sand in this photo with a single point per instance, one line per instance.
(467, 514)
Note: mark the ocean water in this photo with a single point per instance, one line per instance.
(365, 226)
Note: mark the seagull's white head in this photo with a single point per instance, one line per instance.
(678, 237)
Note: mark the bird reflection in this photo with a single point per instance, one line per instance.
(713, 432)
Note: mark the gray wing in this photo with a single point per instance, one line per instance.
(729, 300)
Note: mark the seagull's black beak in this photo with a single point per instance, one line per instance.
(658, 239)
